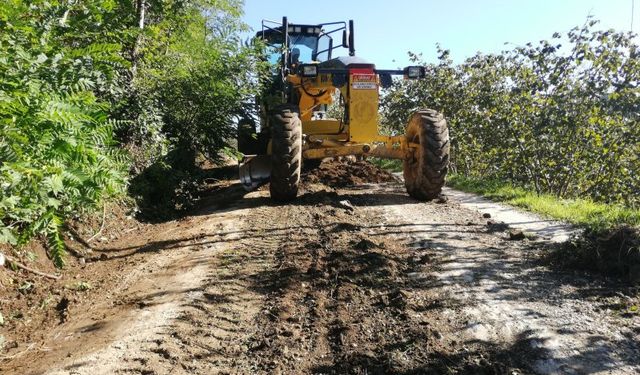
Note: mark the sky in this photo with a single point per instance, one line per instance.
(386, 30)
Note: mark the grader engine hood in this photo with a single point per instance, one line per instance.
(351, 64)
(357, 79)
(346, 62)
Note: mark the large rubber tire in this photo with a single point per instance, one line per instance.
(286, 153)
(424, 174)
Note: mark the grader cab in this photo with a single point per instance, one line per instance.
(299, 121)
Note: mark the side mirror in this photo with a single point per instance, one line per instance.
(345, 39)
(352, 47)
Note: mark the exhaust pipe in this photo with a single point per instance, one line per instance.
(254, 171)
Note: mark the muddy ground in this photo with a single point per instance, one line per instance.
(354, 277)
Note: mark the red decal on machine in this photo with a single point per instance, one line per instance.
(364, 81)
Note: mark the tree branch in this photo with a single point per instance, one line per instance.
(22, 266)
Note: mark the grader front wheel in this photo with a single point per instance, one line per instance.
(286, 153)
(425, 173)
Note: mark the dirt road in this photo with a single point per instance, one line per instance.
(358, 280)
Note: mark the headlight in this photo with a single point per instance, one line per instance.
(309, 70)
(414, 72)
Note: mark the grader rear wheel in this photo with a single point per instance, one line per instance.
(424, 174)
(286, 153)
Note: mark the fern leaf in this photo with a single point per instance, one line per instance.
(35, 227)
(55, 244)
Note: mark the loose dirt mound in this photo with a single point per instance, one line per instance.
(343, 298)
(347, 173)
(615, 252)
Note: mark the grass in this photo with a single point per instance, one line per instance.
(392, 165)
(582, 212)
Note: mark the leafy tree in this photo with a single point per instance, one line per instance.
(84, 83)
(194, 81)
(56, 146)
(560, 116)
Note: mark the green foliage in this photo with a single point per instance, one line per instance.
(57, 154)
(584, 212)
(158, 78)
(166, 187)
(200, 95)
(80, 286)
(195, 81)
(560, 117)
(192, 80)
(393, 165)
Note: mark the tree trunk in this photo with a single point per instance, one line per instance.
(141, 7)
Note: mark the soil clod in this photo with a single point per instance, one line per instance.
(365, 244)
(347, 173)
(516, 235)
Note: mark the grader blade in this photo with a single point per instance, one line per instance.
(254, 170)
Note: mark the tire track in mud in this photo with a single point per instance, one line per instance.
(382, 285)
(503, 307)
(208, 335)
(196, 319)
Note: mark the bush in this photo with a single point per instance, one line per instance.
(57, 154)
(559, 117)
(78, 75)
(166, 187)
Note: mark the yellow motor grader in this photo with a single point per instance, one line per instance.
(296, 124)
